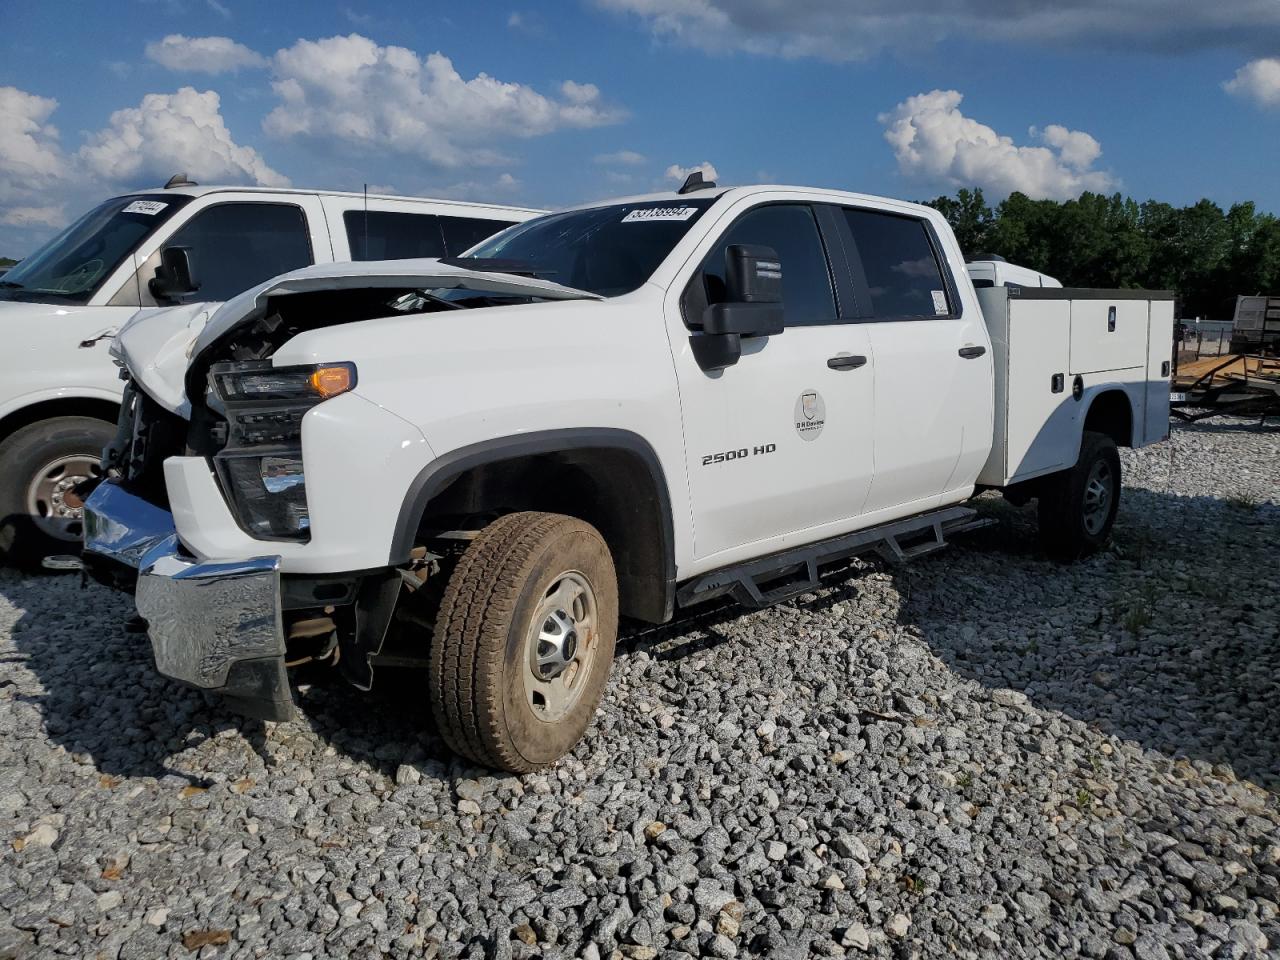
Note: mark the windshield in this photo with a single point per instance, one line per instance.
(607, 250)
(71, 266)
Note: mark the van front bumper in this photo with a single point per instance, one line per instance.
(215, 625)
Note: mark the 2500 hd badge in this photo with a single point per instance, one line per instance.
(740, 454)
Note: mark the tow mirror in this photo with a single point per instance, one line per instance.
(174, 280)
(752, 306)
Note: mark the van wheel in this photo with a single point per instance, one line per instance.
(523, 642)
(1078, 507)
(40, 465)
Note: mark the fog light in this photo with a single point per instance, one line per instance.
(270, 494)
(280, 474)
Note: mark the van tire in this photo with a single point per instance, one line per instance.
(1077, 507)
(53, 450)
(502, 695)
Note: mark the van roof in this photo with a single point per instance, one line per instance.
(194, 190)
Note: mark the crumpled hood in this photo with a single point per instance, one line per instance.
(158, 345)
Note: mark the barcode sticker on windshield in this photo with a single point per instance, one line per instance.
(149, 207)
(940, 302)
(659, 213)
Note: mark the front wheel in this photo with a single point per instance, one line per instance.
(523, 642)
(41, 466)
(1078, 507)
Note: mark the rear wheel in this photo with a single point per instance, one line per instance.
(41, 512)
(1078, 507)
(524, 641)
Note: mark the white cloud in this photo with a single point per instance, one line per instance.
(620, 158)
(505, 184)
(203, 54)
(1258, 80)
(677, 172)
(31, 159)
(854, 29)
(351, 90)
(934, 142)
(169, 133)
(47, 216)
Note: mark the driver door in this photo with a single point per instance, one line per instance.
(777, 446)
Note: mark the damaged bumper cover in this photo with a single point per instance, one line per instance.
(214, 625)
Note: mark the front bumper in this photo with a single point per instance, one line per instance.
(215, 625)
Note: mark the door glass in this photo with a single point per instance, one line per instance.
(385, 235)
(235, 246)
(463, 233)
(792, 232)
(902, 270)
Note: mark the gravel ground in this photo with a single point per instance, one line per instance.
(983, 754)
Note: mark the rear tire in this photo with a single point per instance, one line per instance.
(1077, 507)
(40, 514)
(524, 641)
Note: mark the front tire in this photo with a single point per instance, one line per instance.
(524, 641)
(1077, 507)
(40, 465)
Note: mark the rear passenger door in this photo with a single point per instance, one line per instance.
(933, 383)
(777, 446)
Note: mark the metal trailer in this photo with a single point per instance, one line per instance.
(1257, 325)
(1241, 385)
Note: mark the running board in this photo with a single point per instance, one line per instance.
(772, 579)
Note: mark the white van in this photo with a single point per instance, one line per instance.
(59, 307)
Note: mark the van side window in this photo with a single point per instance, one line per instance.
(389, 235)
(903, 275)
(386, 235)
(463, 233)
(235, 246)
(792, 232)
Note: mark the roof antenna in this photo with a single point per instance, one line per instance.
(366, 222)
(180, 180)
(695, 181)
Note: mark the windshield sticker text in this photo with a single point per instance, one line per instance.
(149, 207)
(659, 213)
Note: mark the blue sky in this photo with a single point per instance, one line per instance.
(1156, 98)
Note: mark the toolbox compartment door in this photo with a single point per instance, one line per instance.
(1108, 334)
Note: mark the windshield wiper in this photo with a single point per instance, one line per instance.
(517, 268)
(11, 284)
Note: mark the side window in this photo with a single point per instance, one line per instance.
(463, 233)
(384, 235)
(903, 275)
(235, 246)
(791, 230)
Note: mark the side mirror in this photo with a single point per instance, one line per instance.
(752, 306)
(174, 280)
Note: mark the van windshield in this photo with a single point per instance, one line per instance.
(71, 266)
(607, 250)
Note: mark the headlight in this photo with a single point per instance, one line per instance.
(258, 380)
(260, 466)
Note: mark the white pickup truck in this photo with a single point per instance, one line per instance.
(477, 464)
(59, 308)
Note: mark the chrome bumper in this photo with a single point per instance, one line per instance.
(213, 625)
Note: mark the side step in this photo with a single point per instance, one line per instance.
(772, 579)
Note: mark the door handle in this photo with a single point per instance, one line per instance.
(846, 361)
(972, 353)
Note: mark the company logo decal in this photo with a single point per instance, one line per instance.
(810, 415)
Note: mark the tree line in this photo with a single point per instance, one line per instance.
(1206, 256)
